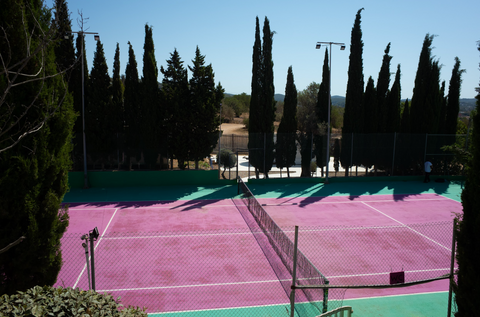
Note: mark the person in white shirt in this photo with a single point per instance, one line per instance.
(428, 170)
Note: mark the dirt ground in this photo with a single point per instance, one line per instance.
(234, 128)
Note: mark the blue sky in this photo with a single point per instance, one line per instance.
(224, 31)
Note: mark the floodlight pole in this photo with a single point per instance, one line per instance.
(342, 47)
(97, 38)
(93, 236)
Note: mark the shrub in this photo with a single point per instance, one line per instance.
(50, 301)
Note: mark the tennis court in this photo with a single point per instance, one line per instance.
(194, 255)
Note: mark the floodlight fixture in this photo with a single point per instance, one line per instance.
(94, 234)
(318, 46)
(342, 48)
(97, 37)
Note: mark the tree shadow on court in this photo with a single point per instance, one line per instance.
(128, 197)
(312, 193)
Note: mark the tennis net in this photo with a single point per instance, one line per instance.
(306, 272)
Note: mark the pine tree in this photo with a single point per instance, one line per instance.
(466, 287)
(34, 171)
(353, 99)
(405, 121)
(177, 108)
(453, 103)
(133, 118)
(205, 105)
(100, 128)
(286, 147)
(152, 116)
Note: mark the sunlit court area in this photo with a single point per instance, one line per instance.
(225, 249)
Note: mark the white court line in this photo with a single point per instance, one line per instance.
(98, 242)
(188, 286)
(408, 227)
(151, 207)
(249, 233)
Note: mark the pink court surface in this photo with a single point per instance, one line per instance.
(198, 255)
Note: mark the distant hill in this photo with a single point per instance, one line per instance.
(466, 104)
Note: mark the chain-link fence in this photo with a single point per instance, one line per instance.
(167, 272)
(290, 155)
(231, 270)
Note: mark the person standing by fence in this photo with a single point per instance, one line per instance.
(428, 170)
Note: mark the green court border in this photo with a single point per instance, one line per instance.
(189, 185)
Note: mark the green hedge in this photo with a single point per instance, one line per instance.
(50, 301)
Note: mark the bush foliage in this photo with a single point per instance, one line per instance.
(50, 301)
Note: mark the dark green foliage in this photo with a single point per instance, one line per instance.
(100, 128)
(426, 100)
(405, 122)
(33, 173)
(204, 109)
(467, 290)
(307, 125)
(262, 102)
(354, 95)
(286, 147)
(133, 118)
(321, 111)
(336, 155)
(79, 96)
(228, 159)
(117, 90)
(177, 108)
(371, 123)
(151, 111)
(64, 50)
(49, 301)
(453, 105)
(393, 105)
(383, 83)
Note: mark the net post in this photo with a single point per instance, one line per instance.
(325, 298)
(294, 274)
(452, 263)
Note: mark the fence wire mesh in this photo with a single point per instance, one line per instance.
(291, 155)
(170, 272)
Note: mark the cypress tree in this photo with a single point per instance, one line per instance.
(78, 96)
(133, 118)
(426, 100)
(321, 111)
(405, 122)
(35, 171)
(99, 126)
(255, 142)
(453, 103)
(383, 83)
(369, 153)
(64, 50)
(262, 103)
(205, 105)
(286, 148)
(269, 105)
(117, 90)
(393, 105)
(354, 94)
(152, 116)
(466, 287)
